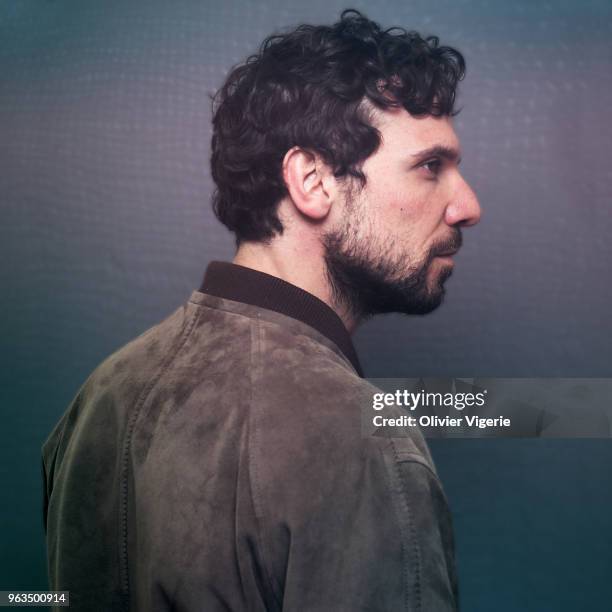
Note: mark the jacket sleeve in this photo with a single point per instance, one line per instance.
(45, 497)
(426, 524)
(369, 529)
(51, 451)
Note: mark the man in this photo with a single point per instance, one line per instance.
(217, 462)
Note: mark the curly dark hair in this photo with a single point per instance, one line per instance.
(306, 88)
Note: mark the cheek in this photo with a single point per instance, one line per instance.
(397, 207)
(403, 208)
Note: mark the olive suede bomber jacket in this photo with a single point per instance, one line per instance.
(217, 462)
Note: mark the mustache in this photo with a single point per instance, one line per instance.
(451, 243)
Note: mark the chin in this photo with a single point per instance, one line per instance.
(438, 276)
(428, 304)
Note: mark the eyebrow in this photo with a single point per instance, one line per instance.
(449, 153)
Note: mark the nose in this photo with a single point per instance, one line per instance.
(463, 209)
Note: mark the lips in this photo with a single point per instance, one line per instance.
(450, 246)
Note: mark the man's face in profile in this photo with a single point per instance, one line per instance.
(392, 250)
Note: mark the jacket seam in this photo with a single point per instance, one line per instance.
(328, 343)
(253, 447)
(404, 504)
(402, 457)
(123, 499)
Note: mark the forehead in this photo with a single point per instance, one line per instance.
(403, 133)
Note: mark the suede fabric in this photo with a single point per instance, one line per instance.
(217, 463)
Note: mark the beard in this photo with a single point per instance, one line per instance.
(368, 279)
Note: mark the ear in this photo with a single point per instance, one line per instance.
(308, 182)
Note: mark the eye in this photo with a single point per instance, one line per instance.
(433, 166)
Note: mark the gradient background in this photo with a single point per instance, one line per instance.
(106, 228)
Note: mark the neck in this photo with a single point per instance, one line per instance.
(304, 270)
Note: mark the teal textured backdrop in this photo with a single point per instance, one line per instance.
(106, 228)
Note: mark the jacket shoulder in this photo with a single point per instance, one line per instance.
(338, 502)
(305, 389)
(116, 383)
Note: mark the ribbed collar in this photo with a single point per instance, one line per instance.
(240, 284)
